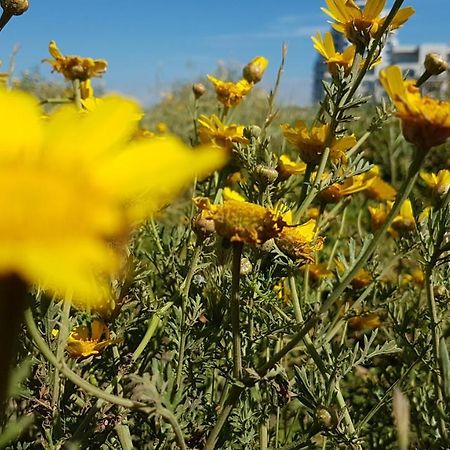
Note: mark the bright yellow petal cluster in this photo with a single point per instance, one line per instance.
(75, 67)
(311, 143)
(74, 185)
(212, 131)
(352, 185)
(439, 183)
(286, 167)
(228, 93)
(299, 241)
(86, 341)
(425, 120)
(335, 60)
(378, 189)
(241, 221)
(359, 26)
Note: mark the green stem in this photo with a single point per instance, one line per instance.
(235, 310)
(306, 179)
(153, 325)
(61, 346)
(90, 389)
(436, 336)
(315, 187)
(184, 299)
(77, 93)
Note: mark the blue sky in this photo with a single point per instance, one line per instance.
(151, 45)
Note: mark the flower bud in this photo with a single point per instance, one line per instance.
(435, 64)
(266, 174)
(246, 267)
(202, 226)
(14, 7)
(198, 89)
(326, 418)
(254, 70)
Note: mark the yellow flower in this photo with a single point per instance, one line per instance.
(229, 93)
(378, 215)
(299, 241)
(311, 144)
(334, 59)
(241, 221)
(359, 26)
(415, 276)
(74, 185)
(213, 131)
(364, 322)
(378, 188)
(86, 341)
(438, 183)
(318, 272)
(75, 67)
(361, 279)
(402, 223)
(229, 194)
(286, 167)
(425, 120)
(254, 70)
(338, 191)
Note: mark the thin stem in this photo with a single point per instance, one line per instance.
(235, 310)
(306, 179)
(436, 337)
(184, 299)
(61, 346)
(316, 185)
(77, 93)
(90, 389)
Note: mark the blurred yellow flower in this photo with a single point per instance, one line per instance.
(415, 276)
(335, 60)
(229, 194)
(425, 120)
(213, 131)
(74, 185)
(338, 191)
(228, 93)
(378, 189)
(318, 272)
(438, 183)
(254, 70)
(75, 67)
(359, 26)
(286, 167)
(364, 322)
(241, 221)
(311, 143)
(378, 215)
(86, 341)
(299, 241)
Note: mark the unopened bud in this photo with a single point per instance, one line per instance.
(254, 70)
(14, 7)
(266, 174)
(198, 89)
(435, 64)
(202, 226)
(326, 418)
(254, 131)
(246, 267)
